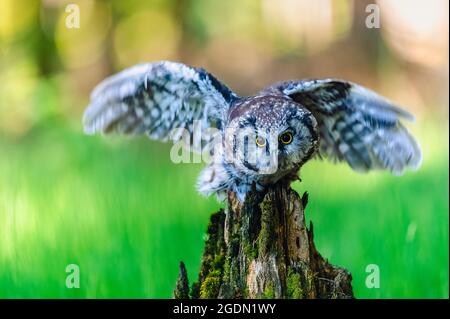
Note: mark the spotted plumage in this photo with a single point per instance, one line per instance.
(258, 140)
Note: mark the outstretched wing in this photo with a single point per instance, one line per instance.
(356, 125)
(155, 99)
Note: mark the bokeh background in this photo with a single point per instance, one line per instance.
(126, 215)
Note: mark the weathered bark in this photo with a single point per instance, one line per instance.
(182, 288)
(263, 249)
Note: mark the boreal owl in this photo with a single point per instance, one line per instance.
(260, 140)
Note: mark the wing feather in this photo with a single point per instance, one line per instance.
(155, 99)
(356, 125)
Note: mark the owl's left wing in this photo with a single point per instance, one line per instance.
(356, 125)
(155, 99)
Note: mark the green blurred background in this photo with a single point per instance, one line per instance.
(126, 215)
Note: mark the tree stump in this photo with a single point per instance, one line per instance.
(263, 249)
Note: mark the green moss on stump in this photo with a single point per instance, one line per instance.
(269, 291)
(293, 285)
(211, 285)
(266, 235)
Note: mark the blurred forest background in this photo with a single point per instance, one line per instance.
(126, 215)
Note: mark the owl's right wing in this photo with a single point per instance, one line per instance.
(356, 125)
(155, 99)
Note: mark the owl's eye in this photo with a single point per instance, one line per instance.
(260, 141)
(286, 138)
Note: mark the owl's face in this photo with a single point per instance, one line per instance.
(270, 135)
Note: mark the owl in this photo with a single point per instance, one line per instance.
(259, 140)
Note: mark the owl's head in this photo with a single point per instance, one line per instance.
(270, 134)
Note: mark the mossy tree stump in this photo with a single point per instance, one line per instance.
(263, 249)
